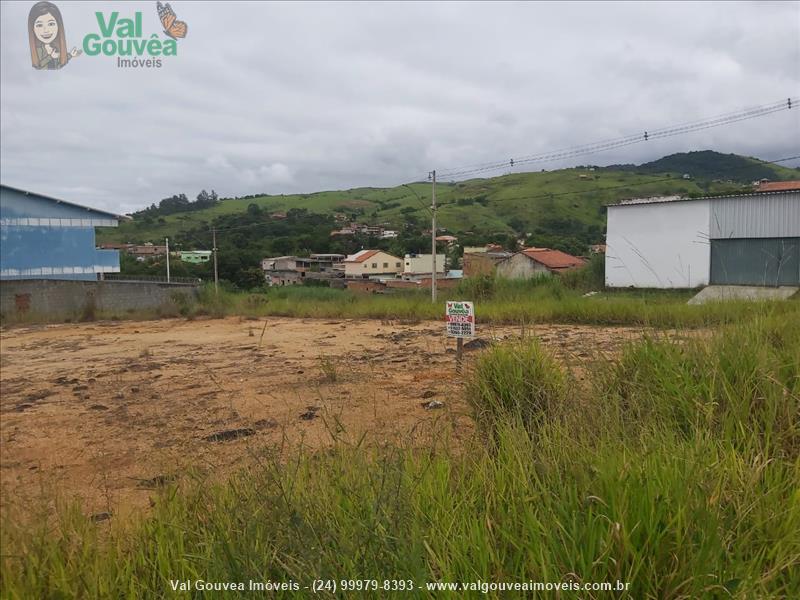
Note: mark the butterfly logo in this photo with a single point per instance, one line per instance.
(172, 27)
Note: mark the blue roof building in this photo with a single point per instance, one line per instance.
(47, 238)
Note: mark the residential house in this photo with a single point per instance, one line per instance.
(326, 263)
(777, 186)
(417, 265)
(283, 270)
(447, 239)
(482, 260)
(195, 256)
(369, 263)
(145, 251)
(533, 262)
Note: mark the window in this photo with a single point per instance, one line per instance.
(385, 265)
(365, 265)
(374, 265)
(397, 264)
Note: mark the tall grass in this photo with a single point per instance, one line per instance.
(546, 300)
(676, 470)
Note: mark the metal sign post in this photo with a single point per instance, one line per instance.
(460, 319)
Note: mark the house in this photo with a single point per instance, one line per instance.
(144, 251)
(368, 263)
(283, 270)
(49, 238)
(447, 239)
(195, 256)
(326, 263)
(294, 270)
(777, 186)
(363, 229)
(388, 234)
(533, 262)
(740, 239)
(597, 249)
(482, 260)
(416, 265)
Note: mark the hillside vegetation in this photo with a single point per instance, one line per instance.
(549, 202)
(562, 209)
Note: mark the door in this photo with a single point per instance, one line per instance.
(756, 261)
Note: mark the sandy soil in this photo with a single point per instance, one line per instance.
(108, 411)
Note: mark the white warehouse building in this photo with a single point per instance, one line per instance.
(747, 239)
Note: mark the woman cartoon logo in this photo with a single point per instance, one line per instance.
(46, 35)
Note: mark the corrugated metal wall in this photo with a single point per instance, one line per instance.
(757, 216)
(44, 239)
(756, 261)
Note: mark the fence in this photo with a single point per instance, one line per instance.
(152, 278)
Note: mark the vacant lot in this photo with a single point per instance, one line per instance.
(109, 411)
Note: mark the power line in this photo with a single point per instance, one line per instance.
(628, 185)
(647, 135)
(543, 195)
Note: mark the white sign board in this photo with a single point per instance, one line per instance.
(460, 318)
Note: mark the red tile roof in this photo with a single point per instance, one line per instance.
(361, 256)
(779, 186)
(553, 259)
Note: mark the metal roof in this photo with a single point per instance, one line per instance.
(665, 199)
(60, 201)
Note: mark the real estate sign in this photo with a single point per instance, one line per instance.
(460, 318)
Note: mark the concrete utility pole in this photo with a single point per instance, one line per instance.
(433, 236)
(167, 241)
(214, 248)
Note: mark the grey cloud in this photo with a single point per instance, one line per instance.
(292, 97)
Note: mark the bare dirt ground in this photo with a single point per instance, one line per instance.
(108, 411)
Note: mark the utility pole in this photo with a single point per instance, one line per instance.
(433, 236)
(214, 248)
(167, 241)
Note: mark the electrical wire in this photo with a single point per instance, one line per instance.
(643, 183)
(602, 146)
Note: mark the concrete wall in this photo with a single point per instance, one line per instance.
(520, 266)
(421, 263)
(51, 300)
(365, 268)
(481, 263)
(661, 245)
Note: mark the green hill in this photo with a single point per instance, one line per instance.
(710, 165)
(544, 202)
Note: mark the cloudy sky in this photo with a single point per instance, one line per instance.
(293, 97)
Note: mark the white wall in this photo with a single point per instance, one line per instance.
(421, 263)
(659, 245)
(365, 268)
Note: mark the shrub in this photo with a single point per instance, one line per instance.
(516, 382)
